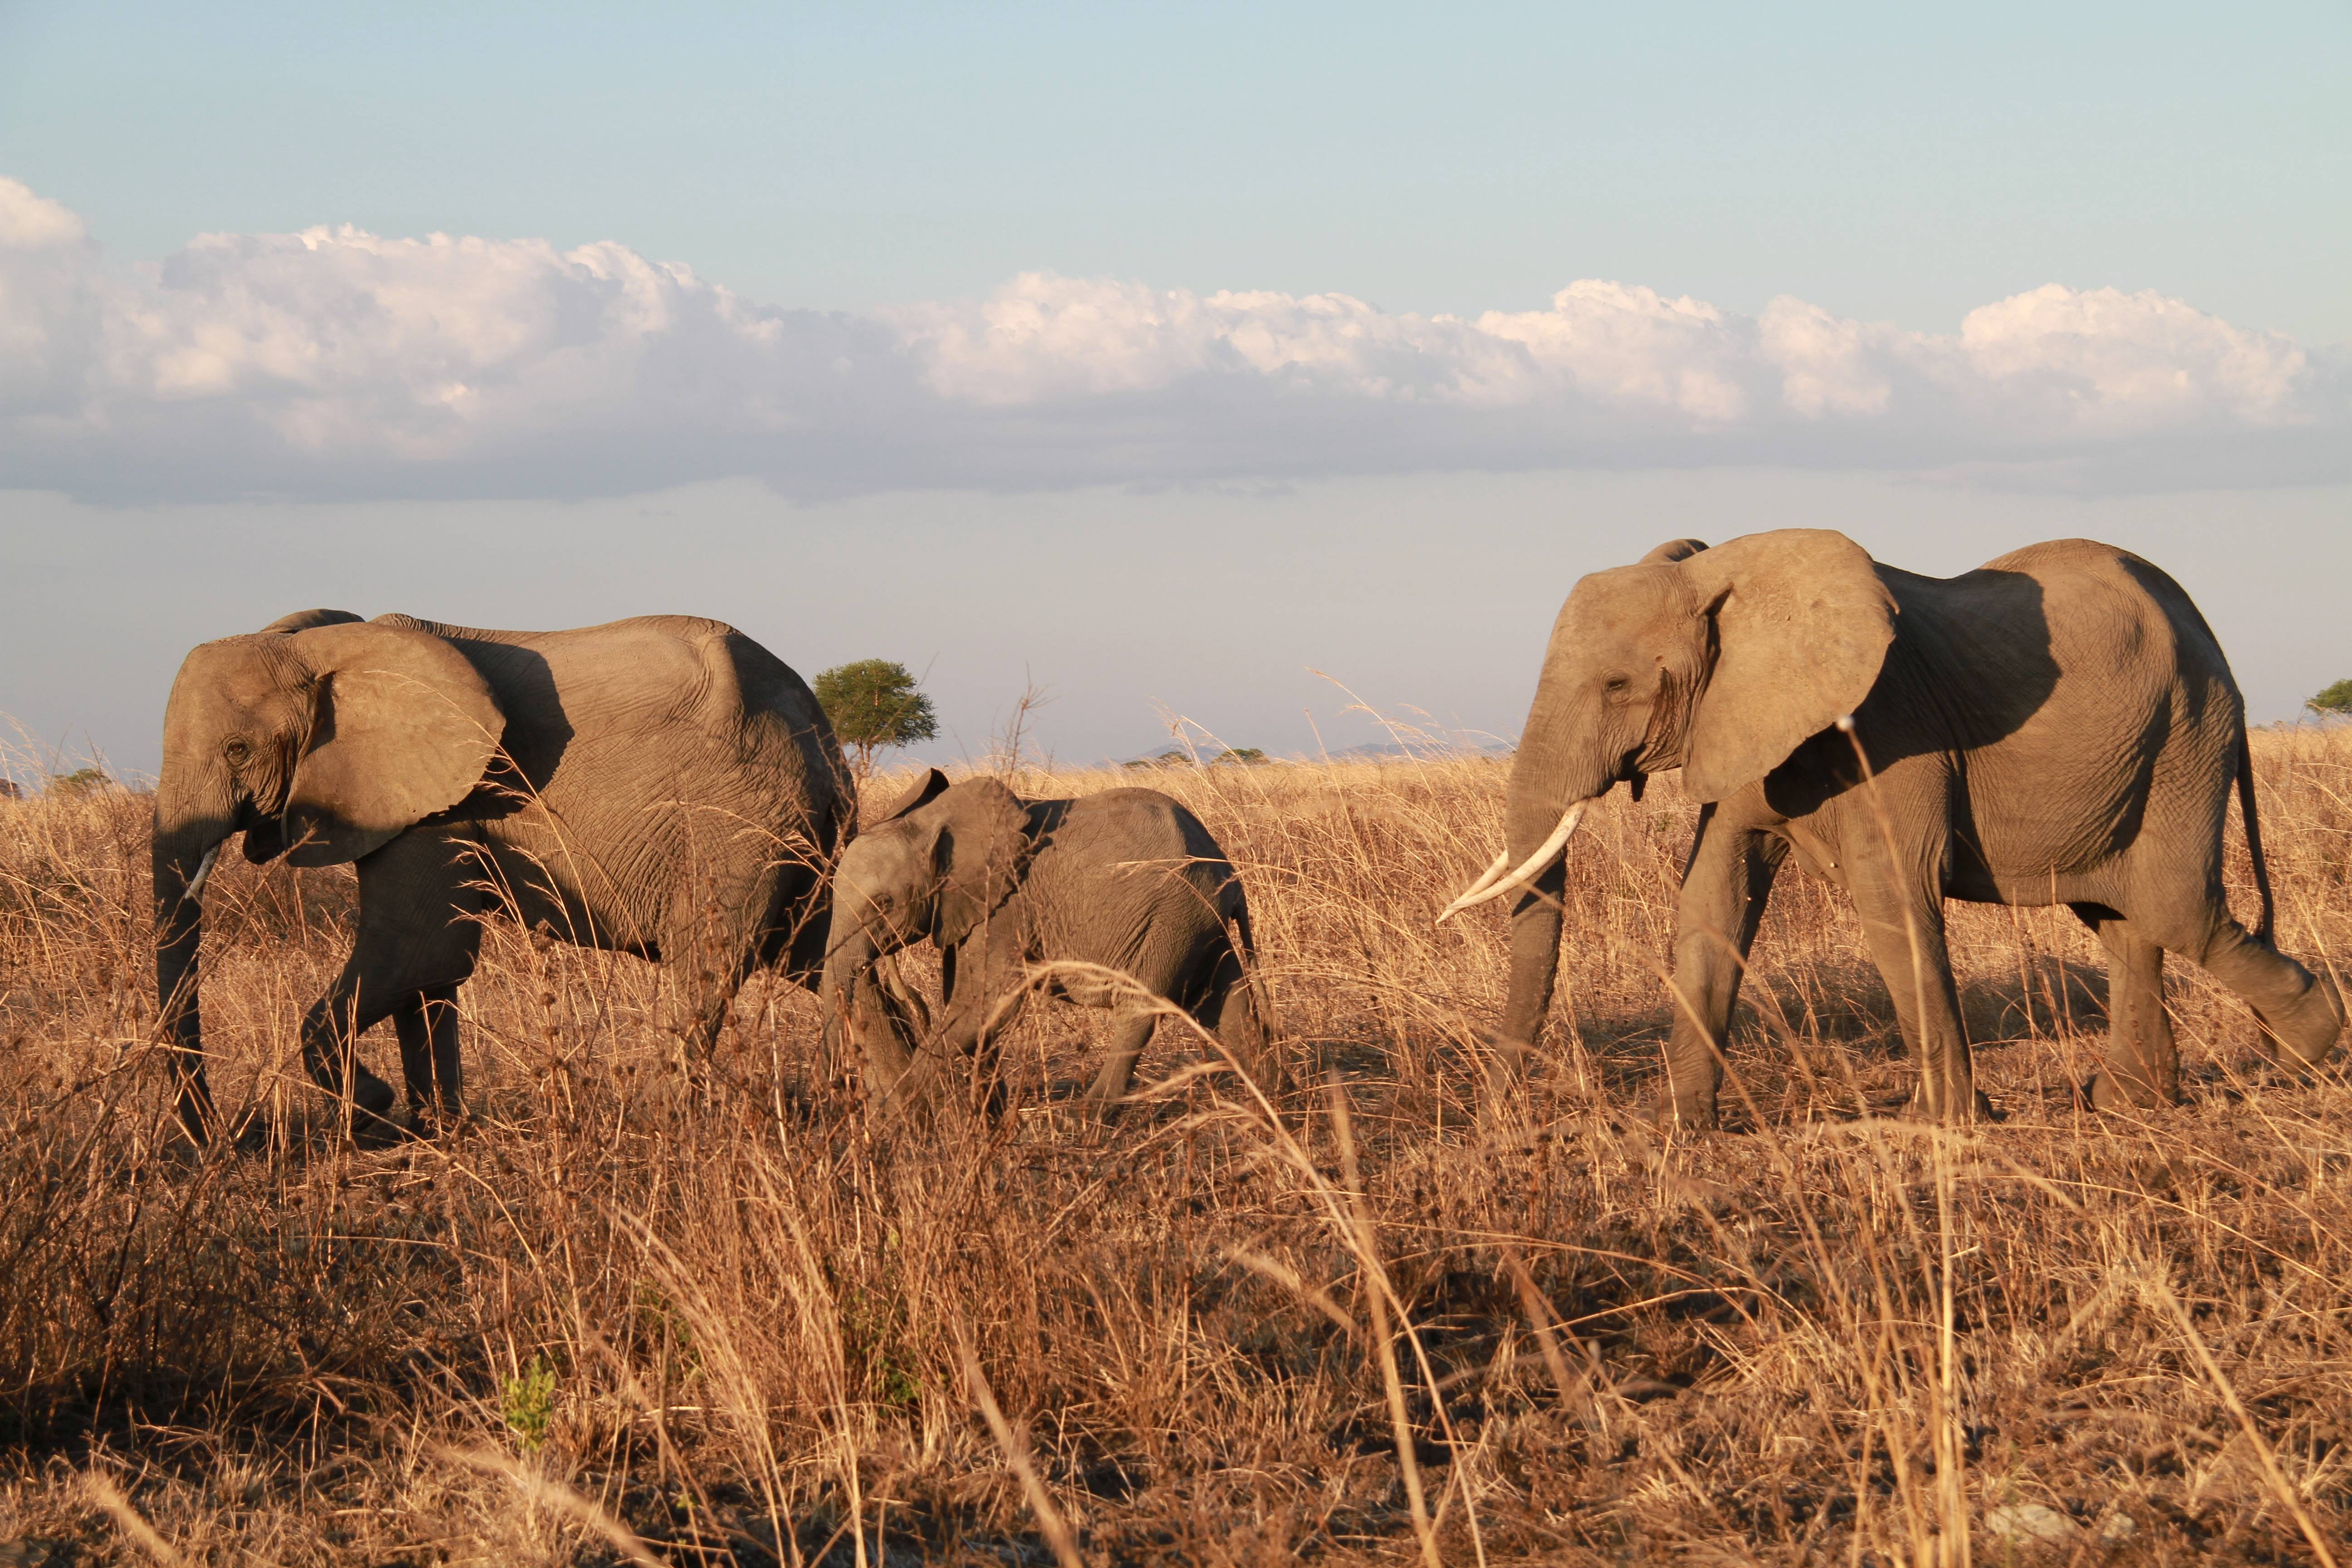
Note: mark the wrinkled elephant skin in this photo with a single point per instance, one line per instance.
(1127, 881)
(663, 787)
(2058, 726)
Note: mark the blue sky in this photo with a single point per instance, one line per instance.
(1902, 163)
(1161, 351)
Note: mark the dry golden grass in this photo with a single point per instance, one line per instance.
(639, 1313)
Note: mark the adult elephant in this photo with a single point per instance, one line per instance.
(662, 785)
(1126, 880)
(2056, 726)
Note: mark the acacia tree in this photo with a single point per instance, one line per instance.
(2336, 702)
(875, 703)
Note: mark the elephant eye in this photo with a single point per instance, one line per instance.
(236, 752)
(1614, 684)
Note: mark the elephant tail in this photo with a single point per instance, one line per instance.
(1245, 1022)
(2254, 834)
(1244, 941)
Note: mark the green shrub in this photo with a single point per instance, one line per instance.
(81, 782)
(527, 1403)
(875, 703)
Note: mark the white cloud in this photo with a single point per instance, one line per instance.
(47, 307)
(337, 362)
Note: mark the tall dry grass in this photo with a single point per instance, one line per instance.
(639, 1312)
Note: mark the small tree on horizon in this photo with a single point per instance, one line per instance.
(79, 783)
(875, 703)
(2336, 702)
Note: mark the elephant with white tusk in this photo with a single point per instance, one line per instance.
(2057, 726)
(664, 786)
(1126, 890)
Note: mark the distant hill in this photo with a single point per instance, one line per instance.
(1368, 752)
(1376, 750)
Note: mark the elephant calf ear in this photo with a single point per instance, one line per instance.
(978, 853)
(924, 790)
(404, 727)
(1802, 625)
(303, 620)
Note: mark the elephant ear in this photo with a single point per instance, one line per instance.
(978, 848)
(1801, 627)
(927, 789)
(303, 620)
(402, 727)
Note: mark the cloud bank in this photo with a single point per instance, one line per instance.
(336, 363)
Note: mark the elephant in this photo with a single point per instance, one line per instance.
(2058, 726)
(1127, 880)
(662, 785)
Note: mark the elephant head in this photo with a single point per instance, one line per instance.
(320, 738)
(1720, 662)
(935, 865)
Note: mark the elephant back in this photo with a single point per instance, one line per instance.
(1139, 846)
(702, 693)
(665, 744)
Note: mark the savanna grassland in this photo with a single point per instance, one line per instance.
(688, 1312)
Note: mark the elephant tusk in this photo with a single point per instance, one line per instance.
(193, 893)
(1486, 878)
(1530, 869)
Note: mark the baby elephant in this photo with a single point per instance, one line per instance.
(1127, 880)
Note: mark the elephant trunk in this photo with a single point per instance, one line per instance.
(186, 843)
(865, 1008)
(1553, 780)
(849, 959)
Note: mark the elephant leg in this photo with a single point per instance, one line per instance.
(988, 997)
(330, 1032)
(2143, 1062)
(427, 1025)
(1131, 1031)
(1231, 1011)
(416, 942)
(712, 972)
(1905, 927)
(2299, 1014)
(714, 936)
(415, 1032)
(448, 1076)
(1726, 886)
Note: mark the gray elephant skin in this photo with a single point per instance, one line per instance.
(2058, 726)
(1127, 880)
(663, 787)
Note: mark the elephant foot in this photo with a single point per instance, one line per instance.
(434, 1123)
(370, 1119)
(370, 1130)
(378, 1132)
(2122, 1089)
(372, 1094)
(1980, 1108)
(1689, 1115)
(1512, 1059)
(2306, 1034)
(251, 1135)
